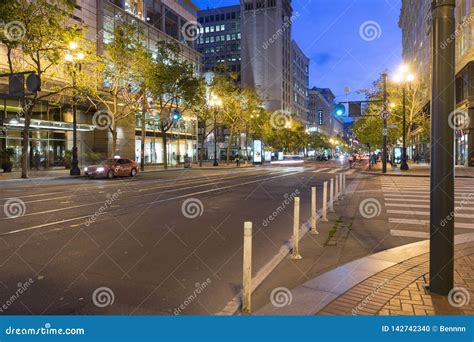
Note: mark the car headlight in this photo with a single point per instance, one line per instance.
(100, 169)
(85, 169)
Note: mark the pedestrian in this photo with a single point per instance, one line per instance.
(237, 160)
(36, 161)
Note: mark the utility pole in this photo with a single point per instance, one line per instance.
(442, 147)
(385, 110)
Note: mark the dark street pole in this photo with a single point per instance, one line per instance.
(216, 163)
(385, 110)
(442, 142)
(75, 171)
(404, 164)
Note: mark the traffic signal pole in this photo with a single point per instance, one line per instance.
(384, 138)
(442, 147)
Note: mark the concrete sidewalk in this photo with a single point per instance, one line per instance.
(59, 173)
(417, 170)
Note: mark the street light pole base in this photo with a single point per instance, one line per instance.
(75, 171)
(404, 166)
(215, 164)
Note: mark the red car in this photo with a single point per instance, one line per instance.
(110, 168)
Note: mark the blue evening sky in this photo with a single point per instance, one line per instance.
(331, 34)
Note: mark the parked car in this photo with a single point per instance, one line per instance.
(110, 168)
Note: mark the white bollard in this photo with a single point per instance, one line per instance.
(314, 212)
(341, 186)
(331, 196)
(296, 231)
(247, 270)
(336, 195)
(325, 202)
(344, 179)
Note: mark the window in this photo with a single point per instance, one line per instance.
(207, 29)
(222, 27)
(212, 29)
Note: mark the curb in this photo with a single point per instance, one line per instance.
(379, 173)
(317, 293)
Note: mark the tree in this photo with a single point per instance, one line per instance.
(318, 141)
(173, 85)
(43, 28)
(116, 90)
(290, 139)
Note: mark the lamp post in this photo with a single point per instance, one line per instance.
(404, 77)
(73, 59)
(215, 103)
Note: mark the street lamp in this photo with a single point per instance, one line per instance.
(404, 77)
(215, 103)
(73, 59)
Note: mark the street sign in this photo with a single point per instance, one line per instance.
(355, 109)
(384, 132)
(385, 114)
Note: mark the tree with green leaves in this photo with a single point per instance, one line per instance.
(39, 31)
(174, 85)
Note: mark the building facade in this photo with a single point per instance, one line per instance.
(51, 129)
(415, 23)
(266, 51)
(321, 116)
(300, 82)
(220, 37)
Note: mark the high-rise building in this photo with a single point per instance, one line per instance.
(321, 116)
(51, 129)
(266, 50)
(415, 23)
(219, 38)
(300, 84)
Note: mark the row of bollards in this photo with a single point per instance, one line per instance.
(336, 192)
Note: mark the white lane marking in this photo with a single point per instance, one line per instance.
(321, 170)
(423, 191)
(351, 171)
(424, 206)
(121, 199)
(426, 213)
(148, 203)
(409, 233)
(427, 223)
(335, 170)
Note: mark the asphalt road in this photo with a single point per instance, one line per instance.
(161, 243)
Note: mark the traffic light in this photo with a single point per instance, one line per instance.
(176, 115)
(340, 110)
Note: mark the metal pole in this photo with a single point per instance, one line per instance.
(247, 270)
(404, 165)
(384, 141)
(75, 171)
(336, 194)
(442, 160)
(325, 202)
(296, 231)
(314, 215)
(331, 196)
(215, 139)
(341, 189)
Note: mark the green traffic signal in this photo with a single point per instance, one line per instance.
(340, 110)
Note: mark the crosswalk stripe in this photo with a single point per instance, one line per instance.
(404, 205)
(425, 213)
(335, 170)
(427, 223)
(409, 233)
(351, 171)
(321, 170)
(421, 192)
